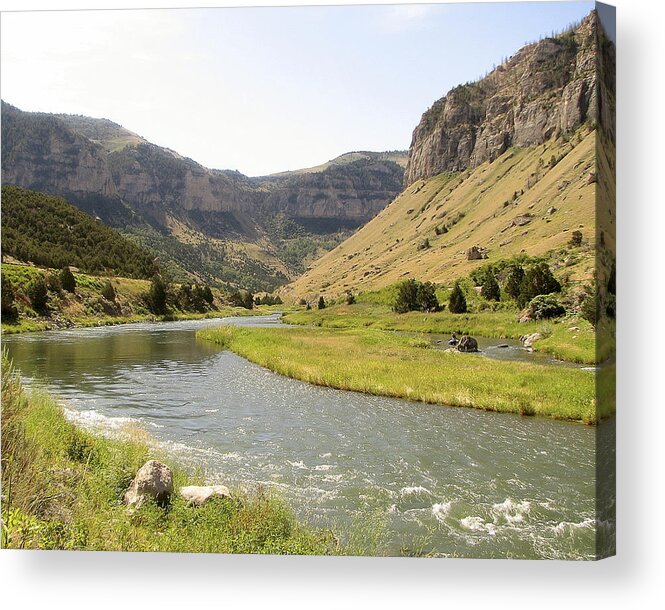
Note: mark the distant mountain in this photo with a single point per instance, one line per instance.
(511, 164)
(48, 231)
(214, 225)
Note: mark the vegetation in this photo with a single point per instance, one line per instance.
(580, 346)
(490, 289)
(50, 232)
(9, 310)
(545, 306)
(67, 279)
(457, 300)
(389, 364)
(63, 487)
(413, 295)
(322, 303)
(99, 300)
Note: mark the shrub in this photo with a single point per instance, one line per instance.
(322, 303)
(545, 306)
(8, 307)
(457, 300)
(426, 297)
(575, 239)
(302, 302)
(513, 283)
(67, 280)
(490, 289)
(350, 298)
(108, 292)
(207, 295)
(424, 245)
(38, 294)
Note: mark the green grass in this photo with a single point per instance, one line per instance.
(85, 308)
(574, 346)
(62, 489)
(385, 363)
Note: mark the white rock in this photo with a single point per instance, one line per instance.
(153, 480)
(197, 495)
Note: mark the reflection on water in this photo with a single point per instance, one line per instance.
(446, 480)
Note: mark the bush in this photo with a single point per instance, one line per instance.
(67, 280)
(108, 292)
(8, 307)
(545, 306)
(322, 303)
(38, 294)
(457, 300)
(490, 289)
(350, 298)
(575, 239)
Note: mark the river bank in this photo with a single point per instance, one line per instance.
(572, 339)
(384, 363)
(63, 487)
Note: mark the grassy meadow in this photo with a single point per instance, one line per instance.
(558, 339)
(385, 363)
(62, 488)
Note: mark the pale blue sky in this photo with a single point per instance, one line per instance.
(267, 89)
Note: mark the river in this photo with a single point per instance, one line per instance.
(446, 481)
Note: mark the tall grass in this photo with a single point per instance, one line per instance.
(62, 488)
(579, 346)
(385, 363)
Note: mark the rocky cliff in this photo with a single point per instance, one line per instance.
(217, 220)
(42, 153)
(546, 89)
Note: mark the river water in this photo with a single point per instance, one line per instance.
(442, 480)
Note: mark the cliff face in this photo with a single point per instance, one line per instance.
(545, 89)
(41, 153)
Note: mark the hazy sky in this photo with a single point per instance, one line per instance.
(267, 89)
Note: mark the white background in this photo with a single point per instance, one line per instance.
(633, 579)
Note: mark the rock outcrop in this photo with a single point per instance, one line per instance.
(153, 480)
(545, 89)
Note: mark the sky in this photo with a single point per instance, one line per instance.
(263, 90)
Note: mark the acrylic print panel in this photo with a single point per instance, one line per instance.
(368, 257)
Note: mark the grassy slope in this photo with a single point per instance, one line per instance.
(84, 308)
(385, 250)
(384, 363)
(62, 489)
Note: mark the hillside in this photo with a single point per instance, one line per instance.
(524, 195)
(208, 225)
(48, 231)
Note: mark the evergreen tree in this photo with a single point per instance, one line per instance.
(67, 280)
(322, 303)
(38, 294)
(513, 284)
(426, 297)
(538, 279)
(407, 297)
(490, 289)
(157, 295)
(207, 295)
(457, 300)
(8, 307)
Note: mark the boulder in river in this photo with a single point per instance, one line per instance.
(197, 495)
(153, 480)
(467, 344)
(529, 340)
